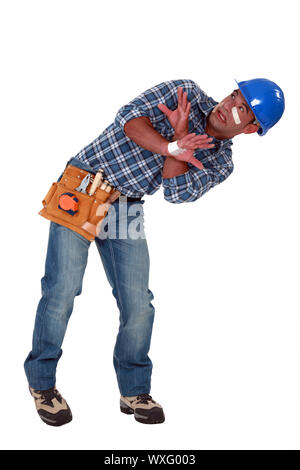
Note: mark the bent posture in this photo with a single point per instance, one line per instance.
(172, 135)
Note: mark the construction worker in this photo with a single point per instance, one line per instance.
(172, 135)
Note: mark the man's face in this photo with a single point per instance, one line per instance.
(221, 122)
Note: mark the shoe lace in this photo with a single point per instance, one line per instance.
(48, 396)
(144, 398)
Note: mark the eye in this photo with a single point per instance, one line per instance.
(241, 108)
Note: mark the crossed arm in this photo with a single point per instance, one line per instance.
(141, 131)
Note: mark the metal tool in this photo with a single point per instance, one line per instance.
(84, 184)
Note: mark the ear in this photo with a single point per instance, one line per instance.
(250, 128)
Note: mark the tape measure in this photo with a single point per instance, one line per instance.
(69, 203)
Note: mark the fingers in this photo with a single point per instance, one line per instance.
(196, 163)
(198, 136)
(182, 99)
(189, 157)
(195, 138)
(184, 103)
(164, 109)
(188, 108)
(179, 93)
(196, 141)
(193, 141)
(199, 146)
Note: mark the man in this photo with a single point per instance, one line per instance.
(175, 135)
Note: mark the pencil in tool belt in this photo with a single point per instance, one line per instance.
(97, 180)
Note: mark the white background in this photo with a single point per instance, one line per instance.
(224, 269)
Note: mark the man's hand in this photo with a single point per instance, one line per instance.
(194, 141)
(179, 118)
(191, 142)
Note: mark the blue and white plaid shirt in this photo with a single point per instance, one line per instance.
(135, 171)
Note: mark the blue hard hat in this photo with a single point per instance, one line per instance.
(266, 99)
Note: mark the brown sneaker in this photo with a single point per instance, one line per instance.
(51, 406)
(144, 408)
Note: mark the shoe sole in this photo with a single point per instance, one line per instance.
(126, 409)
(139, 418)
(52, 422)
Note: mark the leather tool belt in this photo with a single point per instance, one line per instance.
(68, 205)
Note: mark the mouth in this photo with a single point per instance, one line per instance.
(221, 116)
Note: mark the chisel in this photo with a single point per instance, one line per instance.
(97, 180)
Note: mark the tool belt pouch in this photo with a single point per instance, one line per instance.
(73, 209)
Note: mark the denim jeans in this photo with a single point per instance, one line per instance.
(126, 264)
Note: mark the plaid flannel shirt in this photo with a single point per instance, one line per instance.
(135, 171)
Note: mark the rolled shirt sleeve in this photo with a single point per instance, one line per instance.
(128, 112)
(146, 103)
(193, 184)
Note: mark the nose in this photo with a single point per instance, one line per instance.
(233, 115)
(228, 105)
